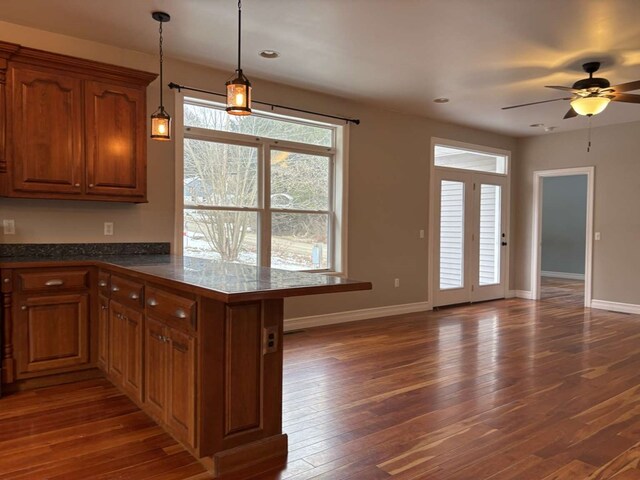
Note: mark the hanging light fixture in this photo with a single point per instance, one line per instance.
(591, 105)
(161, 120)
(239, 87)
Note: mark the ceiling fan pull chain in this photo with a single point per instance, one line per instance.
(589, 138)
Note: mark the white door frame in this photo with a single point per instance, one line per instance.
(536, 242)
(431, 221)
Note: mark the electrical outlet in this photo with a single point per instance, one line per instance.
(9, 227)
(598, 236)
(396, 283)
(108, 228)
(421, 234)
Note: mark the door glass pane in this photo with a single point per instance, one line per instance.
(451, 234)
(490, 234)
(470, 160)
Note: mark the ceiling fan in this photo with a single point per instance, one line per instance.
(591, 96)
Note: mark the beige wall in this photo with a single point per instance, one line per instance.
(615, 155)
(388, 182)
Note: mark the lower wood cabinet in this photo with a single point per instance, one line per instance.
(125, 349)
(51, 333)
(170, 378)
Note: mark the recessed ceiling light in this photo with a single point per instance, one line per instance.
(549, 129)
(269, 54)
(536, 125)
(441, 100)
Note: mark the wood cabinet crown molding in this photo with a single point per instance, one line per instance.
(71, 128)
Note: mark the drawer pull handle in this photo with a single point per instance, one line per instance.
(102, 283)
(134, 296)
(180, 347)
(152, 302)
(115, 288)
(56, 282)
(181, 313)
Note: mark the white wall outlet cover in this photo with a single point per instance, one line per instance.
(421, 233)
(108, 228)
(597, 235)
(396, 282)
(9, 227)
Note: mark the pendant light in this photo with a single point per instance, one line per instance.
(160, 120)
(239, 87)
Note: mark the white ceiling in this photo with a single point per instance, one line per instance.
(482, 54)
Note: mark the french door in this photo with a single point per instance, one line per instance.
(470, 236)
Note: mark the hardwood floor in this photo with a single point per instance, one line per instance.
(512, 389)
(562, 290)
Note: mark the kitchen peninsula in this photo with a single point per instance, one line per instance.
(196, 343)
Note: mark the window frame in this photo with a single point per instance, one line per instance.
(338, 180)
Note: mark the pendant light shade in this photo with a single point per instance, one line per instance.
(239, 87)
(161, 120)
(590, 105)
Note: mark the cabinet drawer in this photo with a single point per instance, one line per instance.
(127, 291)
(52, 280)
(104, 283)
(178, 311)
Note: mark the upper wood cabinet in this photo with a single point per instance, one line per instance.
(74, 129)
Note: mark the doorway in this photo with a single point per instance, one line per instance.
(561, 260)
(469, 219)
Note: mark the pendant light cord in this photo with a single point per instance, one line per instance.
(161, 61)
(239, 33)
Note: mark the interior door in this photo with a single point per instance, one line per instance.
(470, 237)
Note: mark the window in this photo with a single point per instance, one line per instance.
(263, 190)
(446, 156)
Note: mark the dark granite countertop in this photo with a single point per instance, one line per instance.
(226, 281)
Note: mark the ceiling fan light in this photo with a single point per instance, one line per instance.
(589, 105)
(239, 95)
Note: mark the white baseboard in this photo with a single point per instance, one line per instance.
(354, 315)
(511, 294)
(524, 294)
(615, 306)
(570, 276)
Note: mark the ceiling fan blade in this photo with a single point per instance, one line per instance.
(564, 89)
(570, 114)
(626, 97)
(626, 87)
(535, 103)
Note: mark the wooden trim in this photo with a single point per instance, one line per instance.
(8, 362)
(536, 237)
(254, 458)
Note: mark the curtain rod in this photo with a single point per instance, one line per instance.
(272, 105)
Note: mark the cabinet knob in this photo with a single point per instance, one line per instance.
(152, 302)
(181, 313)
(23, 307)
(102, 283)
(115, 288)
(91, 185)
(133, 296)
(77, 184)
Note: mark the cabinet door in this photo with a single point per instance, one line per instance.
(133, 353)
(115, 119)
(46, 131)
(117, 343)
(155, 364)
(103, 333)
(181, 411)
(51, 334)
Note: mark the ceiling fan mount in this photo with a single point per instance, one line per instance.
(591, 95)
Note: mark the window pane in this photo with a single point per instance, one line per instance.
(278, 129)
(219, 174)
(468, 160)
(451, 234)
(299, 241)
(490, 231)
(222, 235)
(299, 181)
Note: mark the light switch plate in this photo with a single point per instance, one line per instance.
(108, 228)
(9, 227)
